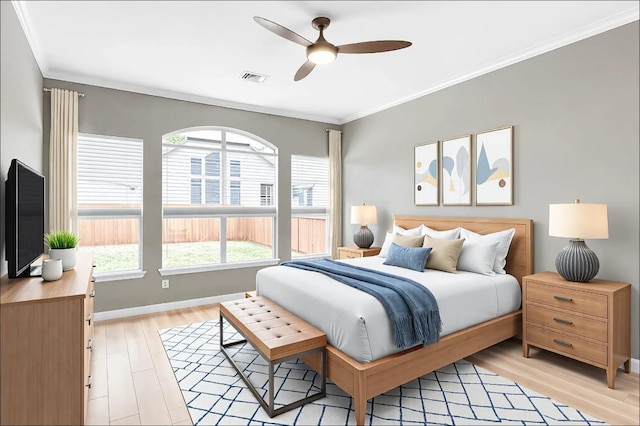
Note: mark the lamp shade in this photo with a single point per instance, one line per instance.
(364, 215)
(579, 221)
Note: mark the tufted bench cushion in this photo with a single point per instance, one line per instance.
(272, 330)
(278, 335)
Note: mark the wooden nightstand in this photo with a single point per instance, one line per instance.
(589, 322)
(355, 252)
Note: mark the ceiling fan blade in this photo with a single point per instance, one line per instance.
(304, 70)
(282, 31)
(373, 46)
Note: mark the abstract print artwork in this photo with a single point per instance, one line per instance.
(494, 167)
(456, 171)
(425, 166)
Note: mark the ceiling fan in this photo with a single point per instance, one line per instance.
(323, 52)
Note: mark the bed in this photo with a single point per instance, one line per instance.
(361, 359)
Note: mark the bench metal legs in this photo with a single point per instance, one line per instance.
(269, 408)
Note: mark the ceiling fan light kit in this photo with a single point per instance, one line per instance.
(322, 52)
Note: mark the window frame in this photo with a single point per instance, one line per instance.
(307, 210)
(118, 213)
(223, 211)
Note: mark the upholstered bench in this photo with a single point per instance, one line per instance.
(278, 336)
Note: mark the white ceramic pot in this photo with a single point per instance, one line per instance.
(51, 269)
(68, 257)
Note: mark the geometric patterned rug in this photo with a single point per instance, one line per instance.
(459, 393)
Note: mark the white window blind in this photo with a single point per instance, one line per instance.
(110, 201)
(212, 182)
(309, 205)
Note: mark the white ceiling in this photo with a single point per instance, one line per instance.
(197, 50)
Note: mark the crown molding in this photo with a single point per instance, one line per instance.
(23, 17)
(596, 28)
(170, 94)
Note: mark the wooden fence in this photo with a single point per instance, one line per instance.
(308, 235)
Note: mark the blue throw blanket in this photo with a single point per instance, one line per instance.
(411, 306)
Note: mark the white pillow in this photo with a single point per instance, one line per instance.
(414, 232)
(504, 241)
(478, 256)
(450, 234)
(388, 240)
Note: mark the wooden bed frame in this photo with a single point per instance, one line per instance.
(368, 380)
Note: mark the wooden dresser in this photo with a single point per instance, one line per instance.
(45, 347)
(354, 252)
(589, 322)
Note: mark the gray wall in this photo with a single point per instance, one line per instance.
(575, 117)
(118, 113)
(20, 108)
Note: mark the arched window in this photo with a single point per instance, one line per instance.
(219, 192)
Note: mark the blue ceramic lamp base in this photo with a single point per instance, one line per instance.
(577, 262)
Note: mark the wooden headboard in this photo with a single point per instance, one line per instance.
(520, 257)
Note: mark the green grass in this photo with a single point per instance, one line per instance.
(125, 256)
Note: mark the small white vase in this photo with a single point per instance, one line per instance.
(68, 257)
(51, 269)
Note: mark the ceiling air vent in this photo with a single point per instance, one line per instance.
(252, 76)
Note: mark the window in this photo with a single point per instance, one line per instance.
(234, 193)
(266, 194)
(110, 201)
(309, 206)
(234, 167)
(209, 182)
(213, 207)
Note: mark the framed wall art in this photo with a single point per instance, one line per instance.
(425, 181)
(456, 171)
(494, 167)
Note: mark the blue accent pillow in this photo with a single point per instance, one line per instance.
(408, 257)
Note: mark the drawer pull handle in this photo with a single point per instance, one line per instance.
(563, 299)
(562, 342)
(93, 294)
(563, 321)
(90, 345)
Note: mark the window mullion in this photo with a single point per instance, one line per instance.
(223, 170)
(223, 240)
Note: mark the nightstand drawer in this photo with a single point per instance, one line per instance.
(565, 321)
(357, 252)
(349, 255)
(566, 298)
(566, 344)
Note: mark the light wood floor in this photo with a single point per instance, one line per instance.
(133, 383)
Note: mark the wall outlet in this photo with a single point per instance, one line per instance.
(165, 283)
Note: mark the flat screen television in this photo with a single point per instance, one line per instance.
(24, 192)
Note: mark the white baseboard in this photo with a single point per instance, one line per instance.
(161, 307)
(635, 366)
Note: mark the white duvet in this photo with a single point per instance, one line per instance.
(356, 322)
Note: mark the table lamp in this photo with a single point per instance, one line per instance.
(577, 262)
(363, 216)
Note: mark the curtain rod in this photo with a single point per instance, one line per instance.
(46, 89)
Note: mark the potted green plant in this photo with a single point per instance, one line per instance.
(62, 245)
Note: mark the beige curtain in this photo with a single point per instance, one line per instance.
(335, 185)
(63, 154)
